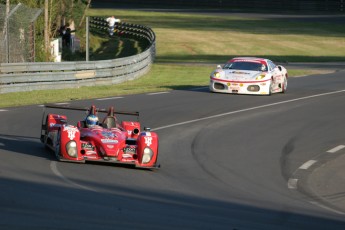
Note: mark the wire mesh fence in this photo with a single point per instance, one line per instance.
(17, 33)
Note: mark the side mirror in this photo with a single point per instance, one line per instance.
(219, 66)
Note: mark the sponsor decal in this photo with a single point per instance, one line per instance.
(108, 134)
(129, 150)
(146, 134)
(110, 146)
(239, 72)
(248, 60)
(126, 155)
(90, 153)
(109, 141)
(71, 131)
(87, 146)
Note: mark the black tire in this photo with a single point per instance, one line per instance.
(270, 89)
(58, 146)
(284, 86)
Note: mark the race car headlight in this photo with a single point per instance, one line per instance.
(147, 155)
(216, 74)
(71, 148)
(260, 77)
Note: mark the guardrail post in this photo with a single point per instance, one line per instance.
(87, 40)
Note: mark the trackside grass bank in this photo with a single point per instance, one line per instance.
(202, 39)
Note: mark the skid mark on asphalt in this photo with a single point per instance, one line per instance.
(306, 168)
(55, 170)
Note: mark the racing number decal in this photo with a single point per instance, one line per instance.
(71, 131)
(148, 141)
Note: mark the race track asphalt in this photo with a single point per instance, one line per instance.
(228, 162)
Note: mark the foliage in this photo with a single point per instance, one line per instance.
(61, 12)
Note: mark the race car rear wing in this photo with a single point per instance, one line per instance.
(87, 109)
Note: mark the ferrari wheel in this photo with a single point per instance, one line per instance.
(284, 86)
(270, 89)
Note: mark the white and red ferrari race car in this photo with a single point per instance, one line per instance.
(105, 140)
(249, 75)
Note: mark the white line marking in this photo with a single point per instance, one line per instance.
(56, 172)
(327, 208)
(62, 103)
(307, 164)
(3, 110)
(108, 98)
(336, 149)
(292, 183)
(2, 144)
(248, 109)
(157, 93)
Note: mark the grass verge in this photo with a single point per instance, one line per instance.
(162, 77)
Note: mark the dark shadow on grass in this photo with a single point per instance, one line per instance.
(113, 48)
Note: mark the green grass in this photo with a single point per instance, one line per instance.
(206, 38)
(199, 38)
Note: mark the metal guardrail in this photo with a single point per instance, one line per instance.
(19, 77)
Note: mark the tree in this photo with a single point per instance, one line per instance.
(58, 12)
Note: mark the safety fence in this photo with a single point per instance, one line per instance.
(19, 77)
(17, 33)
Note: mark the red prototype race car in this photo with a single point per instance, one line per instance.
(106, 141)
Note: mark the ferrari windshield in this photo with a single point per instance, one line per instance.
(241, 65)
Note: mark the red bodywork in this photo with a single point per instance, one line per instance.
(109, 141)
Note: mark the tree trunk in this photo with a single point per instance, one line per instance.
(82, 19)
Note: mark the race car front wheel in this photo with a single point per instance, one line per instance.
(58, 146)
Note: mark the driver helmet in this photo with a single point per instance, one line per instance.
(263, 67)
(91, 120)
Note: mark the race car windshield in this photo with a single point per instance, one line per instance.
(253, 66)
